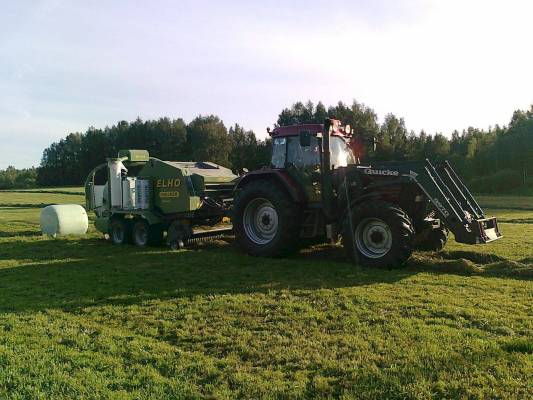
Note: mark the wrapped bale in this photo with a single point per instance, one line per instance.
(64, 219)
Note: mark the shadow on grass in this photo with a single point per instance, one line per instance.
(66, 192)
(25, 205)
(20, 233)
(516, 221)
(74, 273)
(506, 207)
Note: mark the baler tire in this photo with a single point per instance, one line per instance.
(152, 232)
(178, 234)
(119, 232)
(140, 233)
(273, 198)
(156, 235)
(391, 223)
(434, 241)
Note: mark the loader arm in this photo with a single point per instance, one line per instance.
(449, 197)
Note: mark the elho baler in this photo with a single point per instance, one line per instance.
(144, 200)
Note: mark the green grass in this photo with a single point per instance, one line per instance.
(57, 190)
(506, 202)
(80, 318)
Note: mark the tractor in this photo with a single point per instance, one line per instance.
(316, 189)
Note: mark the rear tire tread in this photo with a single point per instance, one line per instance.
(286, 240)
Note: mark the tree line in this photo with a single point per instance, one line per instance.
(497, 159)
(206, 138)
(12, 178)
(494, 160)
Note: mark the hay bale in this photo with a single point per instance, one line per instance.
(64, 219)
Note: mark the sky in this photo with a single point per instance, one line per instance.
(439, 64)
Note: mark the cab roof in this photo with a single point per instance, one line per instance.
(294, 130)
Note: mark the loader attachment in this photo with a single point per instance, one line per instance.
(455, 205)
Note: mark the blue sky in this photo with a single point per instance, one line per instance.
(442, 65)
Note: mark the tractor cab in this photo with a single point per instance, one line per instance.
(300, 146)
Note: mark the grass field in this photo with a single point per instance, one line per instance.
(80, 318)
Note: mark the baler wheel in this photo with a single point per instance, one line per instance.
(177, 235)
(144, 234)
(120, 232)
(141, 233)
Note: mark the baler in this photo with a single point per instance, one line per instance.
(140, 199)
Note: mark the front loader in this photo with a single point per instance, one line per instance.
(316, 188)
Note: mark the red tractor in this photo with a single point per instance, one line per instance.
(315, 188)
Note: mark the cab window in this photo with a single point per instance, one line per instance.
(306, 156)
(279, 152)
(341, 154)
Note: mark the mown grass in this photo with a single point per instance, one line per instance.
(506, 202)
(80, 318)
(56, 190)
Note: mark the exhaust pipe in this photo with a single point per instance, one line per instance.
(327, 186)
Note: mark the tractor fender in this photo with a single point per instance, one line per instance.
(279, 176)
(365, 197)
(378, 192)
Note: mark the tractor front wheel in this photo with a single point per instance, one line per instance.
(382, 235)
(433, 239)
(265, 221)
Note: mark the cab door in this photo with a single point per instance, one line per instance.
(303, 164)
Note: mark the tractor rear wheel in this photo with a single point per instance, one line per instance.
(119, 232)
(382, 235)
(265, 220)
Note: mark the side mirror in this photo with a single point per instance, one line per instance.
(305, 138)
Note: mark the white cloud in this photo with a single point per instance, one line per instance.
(458, 64)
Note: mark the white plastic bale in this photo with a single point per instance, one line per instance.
(64, 219)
